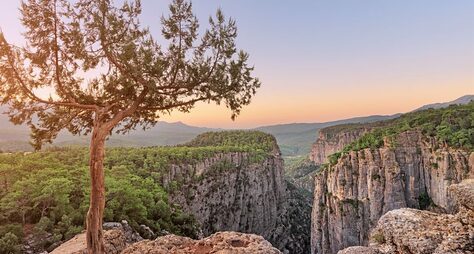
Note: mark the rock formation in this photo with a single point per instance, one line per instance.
(222, 242)
(232, 192)
(410, 171)
(115, 242)
(333, 139)
(406, 231)
(237, 191)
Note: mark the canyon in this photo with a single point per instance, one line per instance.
(233, 192)
(371, 182)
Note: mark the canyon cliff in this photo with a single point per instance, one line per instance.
(333, 139)
(230, 191)
(410, 170)
(244, 192)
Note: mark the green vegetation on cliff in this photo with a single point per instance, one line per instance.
(251, 140)
(453, 126)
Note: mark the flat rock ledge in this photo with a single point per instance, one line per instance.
(218, 243)
(411, 231)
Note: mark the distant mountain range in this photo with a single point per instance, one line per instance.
(16, 138)
(459, 101)
(294, 139)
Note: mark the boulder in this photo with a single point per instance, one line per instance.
(146, 232)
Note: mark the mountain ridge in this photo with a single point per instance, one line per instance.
(294, 139)
(461, 100)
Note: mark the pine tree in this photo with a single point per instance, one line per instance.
(106, 74)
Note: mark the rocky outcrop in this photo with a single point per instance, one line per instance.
(129, 233)
(333, 139)
(115, 243)
(222, 242)
(359, 250)
(242, 192)
(409, 171)
(407, 231)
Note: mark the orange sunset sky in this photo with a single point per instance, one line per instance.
(333, 59)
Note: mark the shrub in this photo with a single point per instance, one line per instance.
(379, 238)
(353, 202)
(333, 158)
(424, 201)
(375, 177)
(14, 228)
(10, 244)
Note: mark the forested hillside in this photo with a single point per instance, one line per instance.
(46, 194)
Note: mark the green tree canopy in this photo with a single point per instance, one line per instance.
(134, 80)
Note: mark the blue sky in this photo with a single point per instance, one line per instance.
(333, 59)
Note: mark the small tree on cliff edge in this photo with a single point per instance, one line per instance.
(132, 80)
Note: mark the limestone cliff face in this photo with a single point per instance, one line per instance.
(331, 141)
(236, 191)
(231, 192)
(352, 195)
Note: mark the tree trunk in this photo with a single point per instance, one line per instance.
(95, 236)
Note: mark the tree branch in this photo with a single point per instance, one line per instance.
(28, 92)
(127, 112)
(186, 103)
(34, 97)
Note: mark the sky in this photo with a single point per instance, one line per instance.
(324, 60)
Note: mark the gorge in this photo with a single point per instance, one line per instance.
(235, 181)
